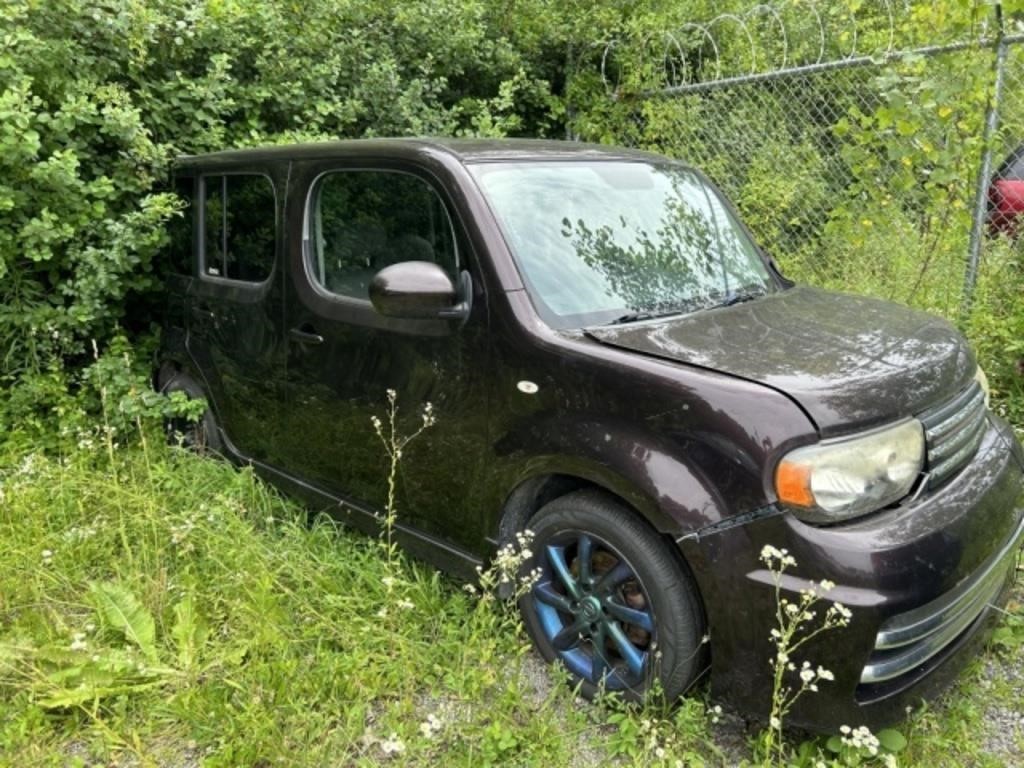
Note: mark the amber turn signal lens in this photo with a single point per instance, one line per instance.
(793, 484)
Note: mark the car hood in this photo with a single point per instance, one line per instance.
(848, 361)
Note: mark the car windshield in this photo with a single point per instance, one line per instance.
(617, 241)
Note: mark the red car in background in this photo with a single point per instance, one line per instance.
(1006, 195)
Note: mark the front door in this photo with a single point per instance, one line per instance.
(344, 357)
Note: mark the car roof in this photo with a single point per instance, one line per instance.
(463, 150)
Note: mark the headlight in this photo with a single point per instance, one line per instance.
(982, 379)
(840, 479)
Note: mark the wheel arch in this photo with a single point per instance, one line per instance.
(532, 493)
(668, 495)
(178, 367)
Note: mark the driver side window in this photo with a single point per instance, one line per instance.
(363, 221)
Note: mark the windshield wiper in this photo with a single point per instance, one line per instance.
(730, 298)
(738, 297)
(632, 317)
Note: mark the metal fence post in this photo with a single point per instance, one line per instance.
(985, 172)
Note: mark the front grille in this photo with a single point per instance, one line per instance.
(908, 640)
(953, 432)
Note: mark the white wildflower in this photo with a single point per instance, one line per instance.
(841, 610)
(431, 726)
(392, 745)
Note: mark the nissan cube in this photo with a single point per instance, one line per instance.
(617, 367)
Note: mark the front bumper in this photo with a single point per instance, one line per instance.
(908, 640)
(920, 580)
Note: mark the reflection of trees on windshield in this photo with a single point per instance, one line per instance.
(695, 255)
(598, 239)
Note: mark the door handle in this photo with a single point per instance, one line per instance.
(306, 335)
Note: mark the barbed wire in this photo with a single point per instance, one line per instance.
(767, 33)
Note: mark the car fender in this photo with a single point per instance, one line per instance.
(645, 470)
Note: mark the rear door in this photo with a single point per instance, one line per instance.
(235, 306)
(343, 357)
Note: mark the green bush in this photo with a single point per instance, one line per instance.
(97, 98)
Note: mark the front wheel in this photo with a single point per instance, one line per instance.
(612, 604)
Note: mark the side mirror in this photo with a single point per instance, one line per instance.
(419, 290)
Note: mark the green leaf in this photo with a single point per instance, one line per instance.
(1003, 636)
(122, 610)
(834, 744)
(891, 740)
(71, 697)
(189, 633)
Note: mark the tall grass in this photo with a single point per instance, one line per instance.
(302, 644)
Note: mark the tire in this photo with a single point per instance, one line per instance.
(629, 597)
(202, 436)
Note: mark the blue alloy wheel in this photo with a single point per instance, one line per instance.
(594, 611)
(613, 603)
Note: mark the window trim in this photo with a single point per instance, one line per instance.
(313, 189)
(201, 178)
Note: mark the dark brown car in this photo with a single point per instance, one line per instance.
(615, 365)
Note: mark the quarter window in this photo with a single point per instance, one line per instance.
(239, 223)
(363, 221)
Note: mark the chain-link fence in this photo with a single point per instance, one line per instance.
(866, 173)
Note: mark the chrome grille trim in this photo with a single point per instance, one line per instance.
(909, 639)
(941, 451)
(953, 432)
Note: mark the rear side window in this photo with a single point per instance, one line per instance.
(363, 221)
(239, 227)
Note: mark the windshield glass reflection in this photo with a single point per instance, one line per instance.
(601, 242)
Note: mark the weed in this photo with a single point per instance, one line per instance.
(795, 627)
(394, 442)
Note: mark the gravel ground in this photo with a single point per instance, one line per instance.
(1003, 737)
(1004, 715)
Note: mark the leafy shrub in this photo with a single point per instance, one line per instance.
(60, 409)
(97, 98)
